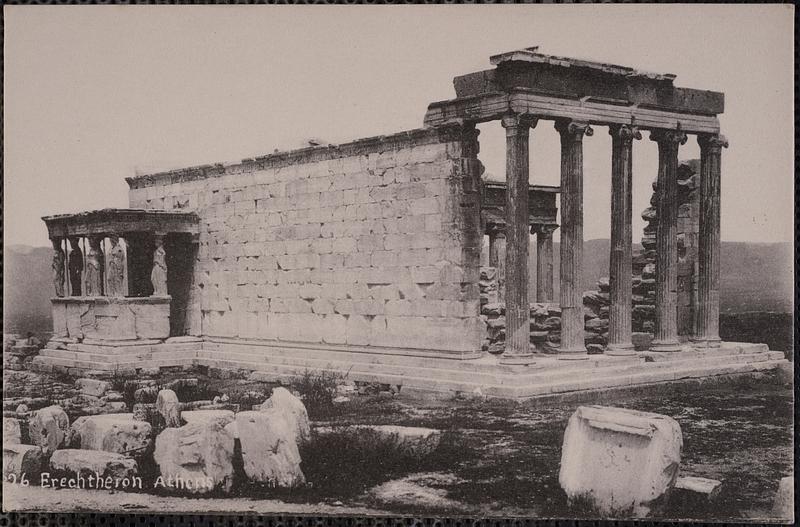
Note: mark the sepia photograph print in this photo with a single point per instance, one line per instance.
(434, 261)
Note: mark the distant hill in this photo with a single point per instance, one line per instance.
(27, 288)
(755, 277)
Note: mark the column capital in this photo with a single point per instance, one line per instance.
(625, 132)
(496, 229)
(712, 141)
(670, 137)
(573, 129)
(515, 123)
(544, 230)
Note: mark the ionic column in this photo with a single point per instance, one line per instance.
(707, 315)
(94, 267)
(544, 261)
(620, 269)
(158, 275)
(666, 325)
(75, 266)
(517, 350)
(59, 261)
(572, 326)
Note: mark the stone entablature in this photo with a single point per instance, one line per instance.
(374, 243)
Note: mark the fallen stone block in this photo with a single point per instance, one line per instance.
(621, 461)
(783, 506)
(12, 433)
(48, 428)
(270, 453)
(293, 408)
(93, 387)
(693, 487)
(85, 463)
(117, 433)
(197, 457)
(168, 406)
(204, 416)
(21, 459)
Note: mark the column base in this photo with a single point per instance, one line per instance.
(572, 354)
(526, 359)
(620, 350)
(670, 345)
(702, 342)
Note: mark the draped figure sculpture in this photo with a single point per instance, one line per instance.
(158, 276)
(75, 267)
(115, 269)
(58, 267)
(94, 268)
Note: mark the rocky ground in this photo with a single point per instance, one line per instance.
(494, 457)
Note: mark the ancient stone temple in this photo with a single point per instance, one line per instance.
(365, 258)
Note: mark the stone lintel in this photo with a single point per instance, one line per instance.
(121, 221)
(542, 104)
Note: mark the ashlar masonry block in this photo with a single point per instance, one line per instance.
(622, 461)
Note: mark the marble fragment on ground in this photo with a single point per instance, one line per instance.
(199, 453)
(621, 462)
(84, 463)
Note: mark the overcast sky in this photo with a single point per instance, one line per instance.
(95, 94)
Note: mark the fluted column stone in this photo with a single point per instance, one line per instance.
(620, 261)
(517, 350)
(666, 324)
(707, 315)
(572, 326)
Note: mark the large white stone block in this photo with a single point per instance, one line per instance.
(292, 408)
(118, 433)
(269, 448)
(21, 459)
(621, 461)
(198, 455)
(92, 462)
(11, 431)
(168, 406)
(48, 428)
(783, 506)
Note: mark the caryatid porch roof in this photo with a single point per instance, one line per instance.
(121, 221)
(528, 82)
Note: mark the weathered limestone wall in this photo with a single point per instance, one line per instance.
(372, 243)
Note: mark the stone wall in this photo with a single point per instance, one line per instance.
(372, 243)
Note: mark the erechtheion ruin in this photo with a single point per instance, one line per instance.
(365, 258)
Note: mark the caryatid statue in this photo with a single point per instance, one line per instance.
(158, 276)
(75, 266)
(115, 268)
(94, 268)
(58, 267)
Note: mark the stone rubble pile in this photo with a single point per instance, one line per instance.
(644, 262)
(194, 450)
(19, 350)
(545, 324)
(546, 329)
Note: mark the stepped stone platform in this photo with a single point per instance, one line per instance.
(414, 370)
